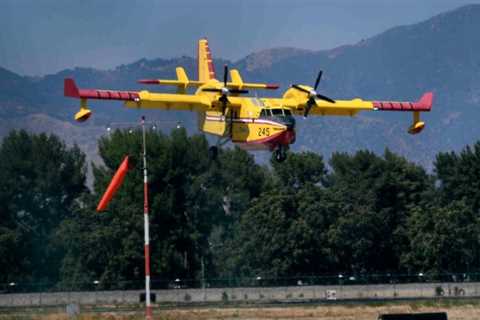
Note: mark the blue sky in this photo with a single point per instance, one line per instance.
(42, 37)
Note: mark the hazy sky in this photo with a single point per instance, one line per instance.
(44, 36)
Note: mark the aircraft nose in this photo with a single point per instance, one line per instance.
(292, 136)
(290, 123)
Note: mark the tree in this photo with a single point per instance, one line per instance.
(459, 176)
(300, 169)
(374, 195)
(191, 199)
(41, 181)
(282, 232)
(443, 238)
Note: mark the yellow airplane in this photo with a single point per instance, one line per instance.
(249, 122)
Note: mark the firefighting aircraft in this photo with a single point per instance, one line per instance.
(251, 123)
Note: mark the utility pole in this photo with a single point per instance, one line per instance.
(148, 305)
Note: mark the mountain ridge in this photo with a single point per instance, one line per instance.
(438, 54)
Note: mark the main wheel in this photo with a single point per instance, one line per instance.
(213, 152)
(280, 154)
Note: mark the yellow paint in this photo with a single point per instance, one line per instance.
(212, 118)
(417, 125)
(84, 113)
(215, 127)
(204, 72)
(250, 132)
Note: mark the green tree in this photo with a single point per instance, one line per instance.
(374, 195)
(443, 238)
(459, 175)
(191, 199)
(300, 169)
(41, 181)
(282, 232)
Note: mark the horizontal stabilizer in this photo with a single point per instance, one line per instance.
(193, 83)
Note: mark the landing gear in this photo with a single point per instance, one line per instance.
(280, 154)
(213, 152)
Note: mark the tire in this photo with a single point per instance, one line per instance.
(280, 154)
(213, 152)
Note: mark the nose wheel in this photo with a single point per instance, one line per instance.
(280, 154)
(213, 152)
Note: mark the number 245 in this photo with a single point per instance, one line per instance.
(263, 132)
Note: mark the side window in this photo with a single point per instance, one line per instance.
(263, 113)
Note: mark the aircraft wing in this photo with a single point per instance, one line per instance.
(298, 104)
(135, 99)
(352, 107)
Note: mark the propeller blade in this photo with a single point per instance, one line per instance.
(325, 98)
(224, 100)
(212, 90)
(237, 91)
(310, 103)
(225, 75)
(319, 77)
(300, 88)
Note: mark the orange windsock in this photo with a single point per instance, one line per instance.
(114, 185)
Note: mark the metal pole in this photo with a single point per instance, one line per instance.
(148, 306)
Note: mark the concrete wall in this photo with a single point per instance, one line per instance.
(257, 294)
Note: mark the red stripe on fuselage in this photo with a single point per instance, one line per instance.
(285, 137)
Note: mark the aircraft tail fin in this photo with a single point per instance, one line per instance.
(206, 70)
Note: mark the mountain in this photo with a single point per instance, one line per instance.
(440, 54)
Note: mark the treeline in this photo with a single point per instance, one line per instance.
(357, 214)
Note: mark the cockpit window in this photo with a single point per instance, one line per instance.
(277, 112)
(279, 115)
(265, 113)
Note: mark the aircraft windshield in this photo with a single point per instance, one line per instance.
(278, 114)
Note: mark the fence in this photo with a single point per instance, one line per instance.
(297, 293)
(246, 282)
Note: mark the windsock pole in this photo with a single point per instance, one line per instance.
(148, 306)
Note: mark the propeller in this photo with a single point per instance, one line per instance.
(312, 94)
(225, 91)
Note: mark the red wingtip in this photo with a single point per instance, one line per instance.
(148, 81)
(426, 100)
(272, 86)
(70, 88)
